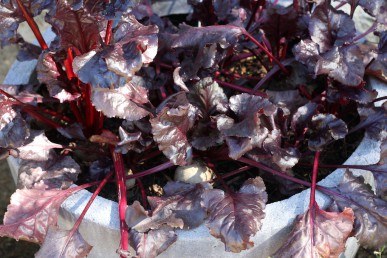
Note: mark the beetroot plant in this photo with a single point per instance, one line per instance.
(259, 93)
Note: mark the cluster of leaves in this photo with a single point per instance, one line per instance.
(119, 85)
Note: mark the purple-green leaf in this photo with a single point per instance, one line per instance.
(235, 217)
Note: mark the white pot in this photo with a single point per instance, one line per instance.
(100, 226)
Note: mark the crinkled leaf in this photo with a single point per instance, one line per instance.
(31, 212)
(123, 102)
(379, 172)
(128, 140)
(205, 135)
(109, 10)
(379, 64)
(152, 243)
(13, 128)
(375, 8)
(360, 95)
(279, 22)
(329, 27)
(374, 120)
(302, 117)
(326, 127)
(55, 244)
(76, 29)
(245, 133)
(179, 208)
(134, 44)
(209, 97)
(344, 64)
(37, 147)
(58, 172)
(170, 129)
(287, 100)
(370, 211)
(47, 73)
(234, 217)
(181, 201)
(324, 236)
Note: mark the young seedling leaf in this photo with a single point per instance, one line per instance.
(235, 217)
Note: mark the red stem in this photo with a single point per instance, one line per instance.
(273, 171)
(108, 34)
(240, 88)
(312, 203)
(122, 202)
(151, 170)
(219, 177)
(266, 51)
(34, 27)
(79, 220)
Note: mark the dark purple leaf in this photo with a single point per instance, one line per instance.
(360, 95)
(380, 174)
(37, 147)
(287, 100)
(326, 127)
(128, 140)
(13, 128)
(279, 22)
(209, 97)
(28, 51)
(134, 45)
(246, 132)
(307, 52)
(234, 217)
(324, 236)
(181, 201)
(73, 131)
(379, 64)
(375, 8)
(302, 117)
(47, 73)
(343, 64)
(55, 244)
(205, 135)
(329, 27)
(139, 219)
(31, 212)
(373, 119)
(152, 243)
(170, 129)
(370, 211)
(123, 102)
(76, 29)
(58, 172)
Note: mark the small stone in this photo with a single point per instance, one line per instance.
(197, 172)
(131, 182)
